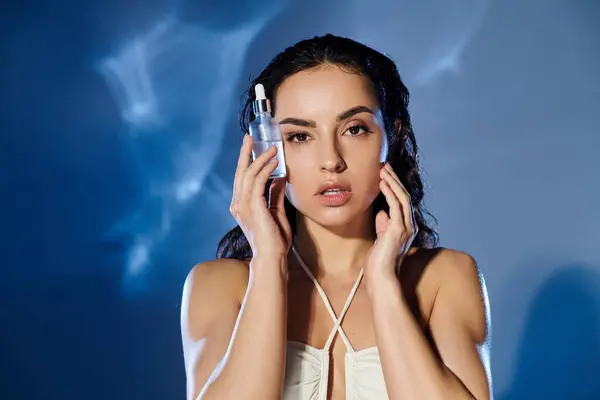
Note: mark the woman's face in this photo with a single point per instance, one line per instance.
(333, 132)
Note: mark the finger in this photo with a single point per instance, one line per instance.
(396, 215)
(404, 190)
(257, 165)
(249, 177)
(242, 164)
(408, 203)
(389, 169)
(277, 194)
(258, 191)
(403, 197)
(381, 222)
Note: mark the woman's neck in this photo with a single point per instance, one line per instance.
(331, 252)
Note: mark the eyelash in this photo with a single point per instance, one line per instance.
(291, 136)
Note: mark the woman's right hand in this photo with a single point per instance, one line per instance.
(267, 229)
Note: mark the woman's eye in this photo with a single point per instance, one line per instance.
(297, 137)
(357, 130)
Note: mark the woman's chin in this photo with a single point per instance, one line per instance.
(340, 217)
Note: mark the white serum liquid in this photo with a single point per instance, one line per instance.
(260, 146)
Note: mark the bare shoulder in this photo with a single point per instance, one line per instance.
(462, 291)
(437, 266)
(211, 288)
(211, 300)
(225, 273)
(455, 265)
(458, 270)
(437, 276)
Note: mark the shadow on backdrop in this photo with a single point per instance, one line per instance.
(559, 353)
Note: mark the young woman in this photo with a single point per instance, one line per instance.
(334, 289)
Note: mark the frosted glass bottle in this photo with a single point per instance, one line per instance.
(265, 132)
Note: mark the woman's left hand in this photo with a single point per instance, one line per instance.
(396, 232)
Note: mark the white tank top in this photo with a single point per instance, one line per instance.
(307, 368)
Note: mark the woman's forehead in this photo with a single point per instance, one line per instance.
(325, 90)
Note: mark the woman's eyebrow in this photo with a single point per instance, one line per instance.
(308, 123)
(353, 111)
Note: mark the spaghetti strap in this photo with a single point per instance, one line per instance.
(337, 326)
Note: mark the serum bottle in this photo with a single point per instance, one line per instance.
(265, 131)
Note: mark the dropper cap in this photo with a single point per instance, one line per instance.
(261, 104)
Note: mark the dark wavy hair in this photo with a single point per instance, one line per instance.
(392, 96)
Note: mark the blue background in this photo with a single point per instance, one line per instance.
(119, 139)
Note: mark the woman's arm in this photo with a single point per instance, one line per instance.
(459, 327)
(232, 351)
